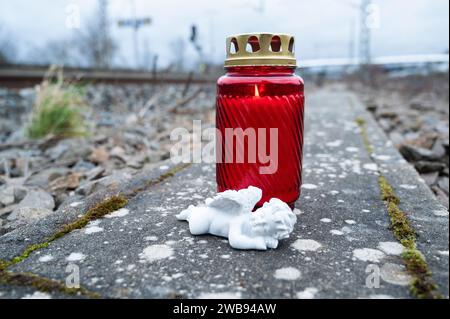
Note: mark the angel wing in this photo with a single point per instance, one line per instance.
(236, 202)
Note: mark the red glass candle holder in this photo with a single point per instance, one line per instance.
(260, 107)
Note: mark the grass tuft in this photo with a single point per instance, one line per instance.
(58, 110)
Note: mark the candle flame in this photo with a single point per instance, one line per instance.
(256, 90)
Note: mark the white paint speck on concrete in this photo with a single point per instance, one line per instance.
(151, 238)
(370, 166)
(441, 213)
(75, 257)
(308, 293)
(443, 252)
(352, 149)
(225, 256)
(75, 204)
(309, 186)
(407, 186)
(306, 245)
(395, 274)
(325, 220)
(350, 221)
(118, 213)
(336, 232)
(156, 252)
(37, 295)
(368, 254)
(288, 273)
(45, 258)
(391, 248)
(336, 143)
(93, 230)
(383, 157)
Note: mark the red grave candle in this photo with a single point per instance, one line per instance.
(259, 118)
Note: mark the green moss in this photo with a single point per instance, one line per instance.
(160, 179)
(4, 264)
(42, 284)
(387, 193)
(168, 174)
(422, 285)
(110, 205)
(362, 125)
(27, 252)
(399, 220)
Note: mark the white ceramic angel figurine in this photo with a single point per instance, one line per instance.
(229, 214)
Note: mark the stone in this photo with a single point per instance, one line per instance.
(441, 196)
(25, 215)
(414, 153)
(438, 149)
(7, 196)
(118, 151)
(396, 138)
(20, 193)
(7, 210)
(429, 167)
(69, 182)
(430, 178)
(60, 198)
(38, 198)
(83, 166)
(99, 155)
(395, 274)
(95, 173)
(443, 184)
(113, 180)
(70, 150)
(45, 177)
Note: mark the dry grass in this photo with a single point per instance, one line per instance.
(58, 109)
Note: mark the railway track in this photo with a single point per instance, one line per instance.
(26, 76)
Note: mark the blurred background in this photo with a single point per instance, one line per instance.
(179, 36)
(91, 89)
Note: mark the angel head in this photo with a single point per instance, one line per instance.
(274, 219)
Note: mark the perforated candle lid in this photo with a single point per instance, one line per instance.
(249, 49)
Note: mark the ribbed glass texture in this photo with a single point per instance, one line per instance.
(260, 99)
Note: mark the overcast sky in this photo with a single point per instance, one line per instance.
(323, 28)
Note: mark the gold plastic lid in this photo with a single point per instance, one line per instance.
(249, 49)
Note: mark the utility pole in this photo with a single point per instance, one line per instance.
(103, 25)
(351, 42)
(364, 34)
(135, 23)
(261, 7)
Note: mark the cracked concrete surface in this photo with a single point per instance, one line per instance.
(341, 235)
